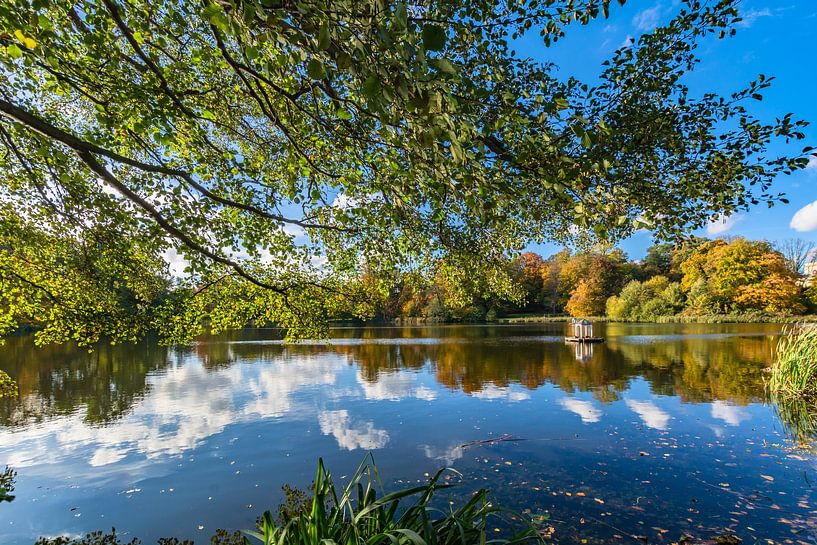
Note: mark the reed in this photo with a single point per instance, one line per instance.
(794, 371)
(358, 515)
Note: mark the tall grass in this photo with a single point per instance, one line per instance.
(356, 515)
(794, 370)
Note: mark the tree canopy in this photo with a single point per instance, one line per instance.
(281, 147)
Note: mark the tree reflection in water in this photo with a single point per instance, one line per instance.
(106, 383)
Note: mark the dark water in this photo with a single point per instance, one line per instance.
(661, 431)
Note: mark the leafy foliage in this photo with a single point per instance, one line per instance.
(355, 514)
(280, 149)
(8, 388)
(646, 301)
(740, 275)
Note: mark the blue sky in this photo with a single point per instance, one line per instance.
(776, 38)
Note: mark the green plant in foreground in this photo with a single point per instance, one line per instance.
(356, 515)
(794, 371)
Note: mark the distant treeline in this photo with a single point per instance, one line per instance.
(698, 277)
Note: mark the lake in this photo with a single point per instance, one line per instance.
(663, 430)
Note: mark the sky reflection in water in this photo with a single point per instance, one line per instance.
(661, 430)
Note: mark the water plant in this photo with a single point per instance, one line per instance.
(356, 514)
(361, 513)
(794, 370)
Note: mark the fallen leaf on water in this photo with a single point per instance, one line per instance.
(767, 477)
(598, 500)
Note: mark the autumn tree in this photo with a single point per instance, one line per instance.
(588, 279)
(531, 276)
(740, 275)
(281, 147)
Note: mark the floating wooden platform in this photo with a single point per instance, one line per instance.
(584, 339)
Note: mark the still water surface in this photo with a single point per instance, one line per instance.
(663, 430)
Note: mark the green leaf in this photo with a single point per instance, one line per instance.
(324, 40)
(371, 88)
(344, 114)
(14, 51)
(433, 37)
(444, 65)
(343, 60)
(315, 69)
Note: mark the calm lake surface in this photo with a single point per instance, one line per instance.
(663, 430)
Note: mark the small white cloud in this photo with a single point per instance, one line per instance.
(105, 456)
(294, 230)
(753, 15)
(722, 224)
(426, 394)
(447, 455)
(648, 19)
(491, 392)
(805, 219)
(176, 261)
(588, 412)
(652, 415)
(812, 164)
(730, 414)
(352, 435)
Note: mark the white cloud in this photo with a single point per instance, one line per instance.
(722, 224)
(628, 41)
(294, 230)
(176, 261)
(394, 386)
(812, 164)
(652, 416)
(588, 412)
(491, 392)
(648, 19)
(352, 435)
(730, 414)
(805, 219)
(753, 15)
(181, 408)
(447, 455)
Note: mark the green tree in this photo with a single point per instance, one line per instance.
(658, 261)
(646, 301)
(281, 147)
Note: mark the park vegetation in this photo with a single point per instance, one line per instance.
(697, 279)
(362, 513)
(794, 370)
(277, 151)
